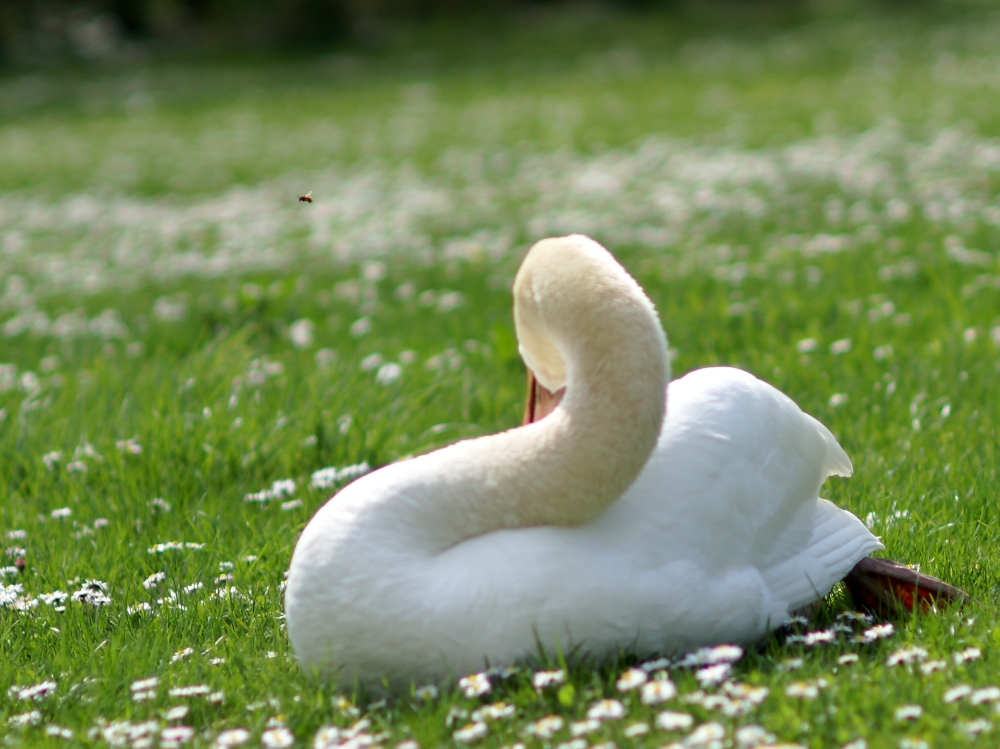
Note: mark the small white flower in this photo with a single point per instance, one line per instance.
(811, 639)
(36, 692)
(370, 362)
(195, 690)
(475, 685)
(176, 713)
(583, 727)
(746, 693)
(712, 656)
(957, 693)
(234, 737)
(182, 654)
(93, 593)
(388, 373)
(545, 728)
(61, 513)
(325, 357)
(657, 691)
(931, 666)
(906, 655)
(969, 654)
(877, 632)
(130, 446)
(545, 679)
(449, 301)
(837, 400)
(32, 718)
(58, 732)
(975, 727)
(753, 736)
(847, 658)
(426, 693)
(631, 679)
(154, 579)
(301, 333)
(326, 737)
(986, 694)
(655, 665)
(806, 345)
(840, 347)
(909, 712)
(882, 353)
(706, 735)
(635, 730)
(277, 738)
(713, 675)
(802, 690)
(606, 710)
(175, 736)
(470, 733)
(671, 721)
(360, 327)
(496, 711)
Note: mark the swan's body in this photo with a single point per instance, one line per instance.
(600, 527)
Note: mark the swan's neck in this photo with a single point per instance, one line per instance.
(569, 467)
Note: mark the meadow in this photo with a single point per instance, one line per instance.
(187, 350)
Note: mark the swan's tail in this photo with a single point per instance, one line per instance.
(890, 588)
(838, 542)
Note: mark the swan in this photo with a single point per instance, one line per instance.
(628, 513)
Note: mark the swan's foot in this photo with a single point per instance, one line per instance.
(888, 588)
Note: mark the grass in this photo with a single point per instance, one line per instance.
(776, 193)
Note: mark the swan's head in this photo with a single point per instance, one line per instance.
(575, 306)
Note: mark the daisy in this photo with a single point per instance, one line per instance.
(606, 710)
(470, 733)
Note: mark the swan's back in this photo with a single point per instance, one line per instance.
(734, 483)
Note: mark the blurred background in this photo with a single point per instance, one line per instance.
(41, 33)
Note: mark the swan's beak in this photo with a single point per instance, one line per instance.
(540, 402)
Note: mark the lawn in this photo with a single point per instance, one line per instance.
(184, 344)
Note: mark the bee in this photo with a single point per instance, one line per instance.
(307, 198)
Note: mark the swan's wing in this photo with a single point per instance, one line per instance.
(838, 540)
(736, 464)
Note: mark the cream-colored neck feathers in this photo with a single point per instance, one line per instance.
(584, 324)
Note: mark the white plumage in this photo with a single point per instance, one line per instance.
(603, 526)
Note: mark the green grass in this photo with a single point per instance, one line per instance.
(830, 182)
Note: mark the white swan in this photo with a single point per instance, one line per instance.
(592, 528)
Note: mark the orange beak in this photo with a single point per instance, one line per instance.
(540, 402)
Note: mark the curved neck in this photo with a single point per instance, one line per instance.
(569, 467)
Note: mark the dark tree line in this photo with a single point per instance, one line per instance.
(33, 31)
(39, 32)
